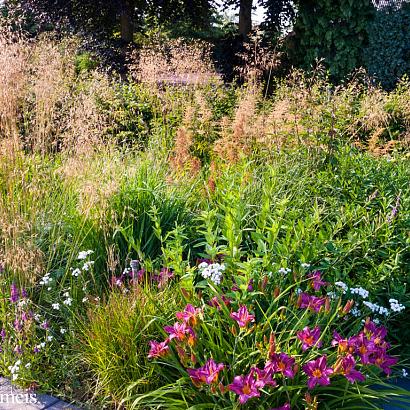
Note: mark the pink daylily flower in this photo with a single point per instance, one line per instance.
(158, 349)
(309, 337)
(318, 372)
(242, 316)
(281, 363)
(189, 315)
(208, 373)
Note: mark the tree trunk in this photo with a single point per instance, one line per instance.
(126, 21)
(245, 17)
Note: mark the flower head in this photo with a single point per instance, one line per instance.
(316, 280)
(346, 366)
(158, 349)
(179, 331)
(383, 361)
(314, 303)
(309, 337)
(242, 316)
(209, 373)
(286, 406)
(245, 386)
(189, 315)
(281, 363)
(317, 372)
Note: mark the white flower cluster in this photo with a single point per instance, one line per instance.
(381, 310)
(76, 272)
(360, 291)
(14, 370)
(212, 271)
(395, 306)
(87, 265)
(343, 286)
(42, 345)
(284, 271)
(56, 306)
(84, 254)
(404, 372)
(68, 301)
(356, 312)
(46, 279)
(332, 295)
(305, 265)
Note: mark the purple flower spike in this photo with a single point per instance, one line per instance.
(14, 293)
(242, 316)
(3, 334)
(317, 372)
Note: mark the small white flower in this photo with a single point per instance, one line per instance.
(343, 286)
(376, 321)
(18, 363)
(56, 306)
(83, 254)
(404, 372)
(62, 330)
(85, 299)
(361, 292)
(14, 377)
(28, 365)
(87, 265)
(49, 338)
(48, 289)
(66, 294)
(42, 345)
(68, 302)
(305, 265)
(284, 271)
(76, 272)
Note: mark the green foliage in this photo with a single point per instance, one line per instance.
(335, 31)
(387, 56)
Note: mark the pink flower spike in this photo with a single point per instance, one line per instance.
(317, 372)
(245, 387)
(158, 349)
(189, 315)
(309, 337)
(242, 316)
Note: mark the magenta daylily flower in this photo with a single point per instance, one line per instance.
(263, 378)
(179, 331)
(317, 372)
(383, 361)
(316, 280)
(158, 349)
(242, 316)
(208, 373)
(214, 302)
(245, 386)
(363, 347)
(189, 315)
(347, 368)
(309, 337)
(281, 363)
(341, 343)
(286, 406)
(307, 301)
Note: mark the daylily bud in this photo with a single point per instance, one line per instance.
(349, 304)
(264, 283)
(272, 344)
(233, 330)
(185, 293)
(276, 292)
(327, 305)
(222, 388)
